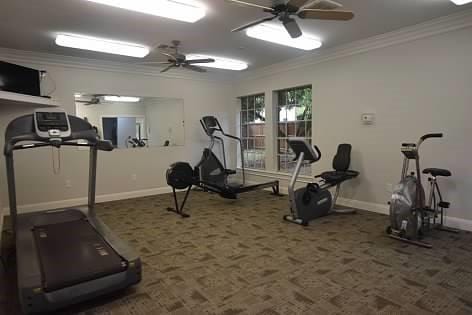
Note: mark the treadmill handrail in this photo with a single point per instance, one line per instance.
(101, 145)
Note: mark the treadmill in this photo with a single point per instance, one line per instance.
(64, 256)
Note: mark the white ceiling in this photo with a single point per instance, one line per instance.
(32, 25)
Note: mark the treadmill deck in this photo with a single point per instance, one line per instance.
(73, 252)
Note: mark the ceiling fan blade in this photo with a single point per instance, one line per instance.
(326, 14)
(193, 68)
(248, 25)
(154, 63)
(322, 5)
(168, 55)
(168, 68)
(296, 3)
(252, 5)
(194, 61)
(292, 27)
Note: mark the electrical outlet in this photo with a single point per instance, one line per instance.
(389, 187)
(133, 177)
(68, 183)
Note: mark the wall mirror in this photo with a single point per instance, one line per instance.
(133, 121)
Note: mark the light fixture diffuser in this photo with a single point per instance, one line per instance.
(279, 35)
(102, 45)
(461, 2)
(182, 10)
(220, 62)
(124, 99)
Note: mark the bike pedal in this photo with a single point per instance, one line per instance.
(444, 204)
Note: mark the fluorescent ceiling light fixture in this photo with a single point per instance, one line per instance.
(220, 63)
(77, 95)
(102, 45)
(461, 2)
(181, 10)
(279, 35)
(125, 99)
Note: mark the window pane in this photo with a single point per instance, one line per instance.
(252, 130)
(244, 141)
(243, 103)
(260, 143)
(291, 113)
(250, 116)
(259, 102)
(300, 131)
(308, 129)
(301, 112)
(260, 115)
(259, 129)
(291, 129)
(244, 131)
(283, 130)
(291, 97)
(250, 104)
(282, 113)
(282, 146)
(250, 144)
(243, 117)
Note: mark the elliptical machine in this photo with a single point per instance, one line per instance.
(410, 216)
(315, 200)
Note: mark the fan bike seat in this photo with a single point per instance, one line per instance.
(437, 172)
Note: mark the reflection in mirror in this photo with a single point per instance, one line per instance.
(133, 122)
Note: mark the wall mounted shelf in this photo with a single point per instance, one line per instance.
(16, 99)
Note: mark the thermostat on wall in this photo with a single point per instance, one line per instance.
(368, 118)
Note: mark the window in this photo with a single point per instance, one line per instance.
(252, 131)
(294, 115)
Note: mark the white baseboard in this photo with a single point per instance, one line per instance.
(364, 205)
(453, 222)
(83, 200)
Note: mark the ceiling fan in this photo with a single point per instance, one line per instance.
(176, 59)
(304, 9)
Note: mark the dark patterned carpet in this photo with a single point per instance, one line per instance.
(239, 257)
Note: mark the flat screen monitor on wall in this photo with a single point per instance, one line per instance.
(19, 79)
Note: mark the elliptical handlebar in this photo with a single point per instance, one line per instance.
(432, 135)
(318, 152)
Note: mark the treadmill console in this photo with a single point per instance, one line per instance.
(51, 123)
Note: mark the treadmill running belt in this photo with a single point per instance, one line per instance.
(73, 252)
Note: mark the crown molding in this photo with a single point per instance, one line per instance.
(40, 58)
(429, 28)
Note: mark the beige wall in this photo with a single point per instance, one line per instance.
(36, 182)
(413, 88)
(164, 121)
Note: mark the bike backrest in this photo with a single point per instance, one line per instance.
(342, 159)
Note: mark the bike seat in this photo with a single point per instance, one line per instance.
(437, 172)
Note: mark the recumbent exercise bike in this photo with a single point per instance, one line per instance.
(315, 200)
